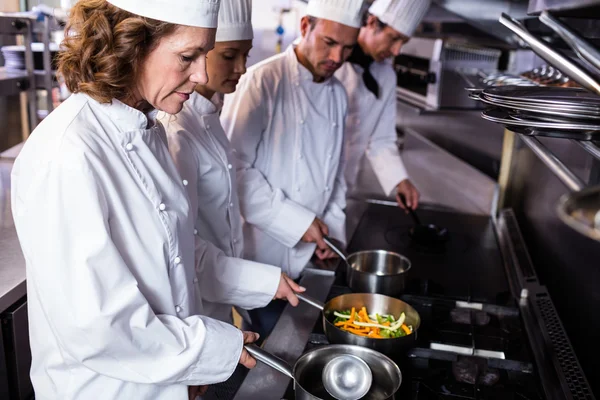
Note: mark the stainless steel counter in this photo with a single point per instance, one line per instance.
(12, 263)
(288, 340)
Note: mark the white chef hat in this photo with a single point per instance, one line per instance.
(347, 12)
(235, 20)
(199, 13)
(402, 15)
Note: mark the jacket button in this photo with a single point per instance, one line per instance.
(129, 147)
(185, 182)
(334, 124)
(195, 231)
(177, 260)
(195, 280)
(300, 157)
(162, 207)
(327, 188)
(301, 121)
(207, 126)
(177, 309)
(229, 166)
(230, 204)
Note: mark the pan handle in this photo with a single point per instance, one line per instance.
(313, 302)
(332, 244)
(270, 360)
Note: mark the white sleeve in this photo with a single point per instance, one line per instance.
(382, 150)
(244, 119)
(91, 298)
(235, 281)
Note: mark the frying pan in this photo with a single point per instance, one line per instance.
(375, 303)
(373, 271)
(427, 234)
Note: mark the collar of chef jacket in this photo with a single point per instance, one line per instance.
(301, 73)
(125, 117)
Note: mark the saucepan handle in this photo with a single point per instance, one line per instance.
(335, 247)
(270, 360)
(313, 302)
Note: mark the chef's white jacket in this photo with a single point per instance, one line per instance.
(288, 133)
(205, 161)
(371, 126)
(104, 224)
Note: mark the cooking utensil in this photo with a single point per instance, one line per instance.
(375, 303)
(581, 211)
(586, 52)
(308, 370)
(551, 56)
(429, 234)
(347, 377)
(374, 271)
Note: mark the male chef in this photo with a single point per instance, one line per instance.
(286, 123)
(370, 81)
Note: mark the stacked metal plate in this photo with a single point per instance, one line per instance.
(545, 111)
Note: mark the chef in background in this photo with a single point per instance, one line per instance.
(205, 161)
(103, 218)
(370, 81)
(286, 122)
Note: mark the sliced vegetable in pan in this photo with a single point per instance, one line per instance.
(374, 326)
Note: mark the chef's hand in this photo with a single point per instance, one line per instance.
(326, 254)
(410, 193)
(315, 232)
(246, 359)
(195, 391)
(287, 290)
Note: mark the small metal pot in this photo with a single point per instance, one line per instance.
(308, 369)
(374, 271)
(374, 303)
(377, 271)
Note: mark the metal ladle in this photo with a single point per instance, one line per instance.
(347, 377)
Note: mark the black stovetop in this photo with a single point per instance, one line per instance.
(461, 293)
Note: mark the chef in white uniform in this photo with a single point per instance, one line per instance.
(205, 160)
(370, 80)
(286, 122)
(103, 218)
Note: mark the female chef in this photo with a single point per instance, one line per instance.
(103, 218)
(205, 161)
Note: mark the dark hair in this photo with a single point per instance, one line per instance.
(380, 25)
(104, 47)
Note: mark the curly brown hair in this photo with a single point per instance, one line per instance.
(104, 47)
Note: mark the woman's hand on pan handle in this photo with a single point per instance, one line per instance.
(246, 359)
(315, 232)
(287, 290)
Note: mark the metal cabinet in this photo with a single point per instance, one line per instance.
(3, 370)
(15, 330)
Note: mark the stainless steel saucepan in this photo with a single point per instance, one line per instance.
(308, 370)
(374, 271)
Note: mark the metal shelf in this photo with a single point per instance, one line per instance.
(13, 81)
(573, 8)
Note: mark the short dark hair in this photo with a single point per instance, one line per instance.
(380, 24)
(312, 21)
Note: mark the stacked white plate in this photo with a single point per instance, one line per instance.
(14, 56)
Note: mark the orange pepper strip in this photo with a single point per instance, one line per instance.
(341, 323)
(356, 332)
(405, 329)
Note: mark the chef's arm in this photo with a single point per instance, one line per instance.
(244, 119)
(234, 281)
(382, 150)
(91, 298)
(335, 216)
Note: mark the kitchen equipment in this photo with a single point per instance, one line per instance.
(503, 116)
(428, 234)
(581, 211)
(554, 57)
(588, 53)
(375, 303)
(308, 370)
(14, 56)
(374, 271)
(347, 377)
(432, 71)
